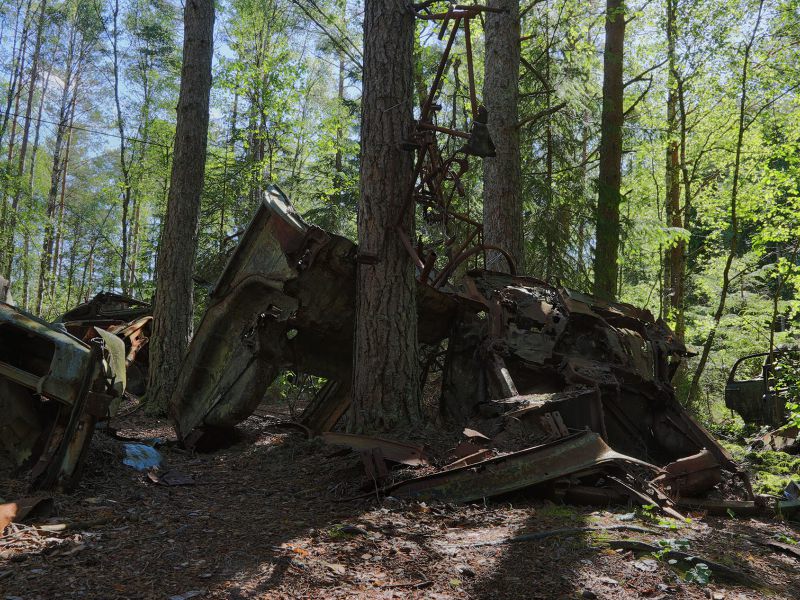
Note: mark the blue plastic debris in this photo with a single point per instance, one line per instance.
(141, 456)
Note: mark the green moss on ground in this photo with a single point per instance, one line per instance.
(773, 470)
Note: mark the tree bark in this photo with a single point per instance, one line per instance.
(610, 176)
(674, 255)
(123, 154)
(386, 387)
(72, 66)
(26, 246)
(17, 66)
(172, 309)
(23, 149)
(502, 175)
(55, 267)
(694, 387)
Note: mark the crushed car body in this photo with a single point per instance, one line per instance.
(53, 390)
(539, 367)
(127, 318)
(285, 301)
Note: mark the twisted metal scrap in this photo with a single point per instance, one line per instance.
(438, 180)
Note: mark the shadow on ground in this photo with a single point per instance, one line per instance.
(135, 539)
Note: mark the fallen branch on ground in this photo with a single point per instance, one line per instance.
(540, 535)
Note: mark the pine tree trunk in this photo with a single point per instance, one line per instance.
(386, 387)
(673, 259)
(230, 147)
(56, 173)
(694, 387)
(26, 267)
(610, 175)
(123, 155)
(502, 175)
(18, 64)
(551, 229)
(172, 309)
(59, 229)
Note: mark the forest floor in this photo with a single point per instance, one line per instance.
(269, 517)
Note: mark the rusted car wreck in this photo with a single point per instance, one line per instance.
(572, 391)
(127, 318)
(53, 390)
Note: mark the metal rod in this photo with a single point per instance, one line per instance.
(409, 247)
(447, 130)
(424, 113)
(470, 70)
(430, 260)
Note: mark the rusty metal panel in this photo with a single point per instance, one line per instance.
(581, 453)
(399, 452)
(50, 383)
(34, 355)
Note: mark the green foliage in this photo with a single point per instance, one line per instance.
(773, 470)
(700, 574)
(669, 544)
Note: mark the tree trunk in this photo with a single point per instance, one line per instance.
(684, 219)
(551, 229)
(502, 197)
(17, 66)
(734, 241)
(5, 230)
(172, 309)
(610, 176)
(673, 258)
(386, 387)
(123, 155)
(59, 229)
(23, 149)
(56, 172)
(26, 267)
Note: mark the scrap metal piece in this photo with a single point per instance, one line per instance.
(645, 499)
(715, 506)
(327, 407)
(783, 439)
(470, 459)
(691, 475)
(375, 464)
(392, 450)
(127, 318)
(579, 454)
(605, 366)
(53, 390)
(109, 307)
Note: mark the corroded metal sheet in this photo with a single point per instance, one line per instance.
(53, 389)
(393, 450)
(577, 454)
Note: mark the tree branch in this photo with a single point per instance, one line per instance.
(639, 99)
(527, 9)
(541, 114)
(527, 64)
(337, 41)
(642, 76)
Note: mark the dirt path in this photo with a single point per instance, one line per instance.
(268, 518)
